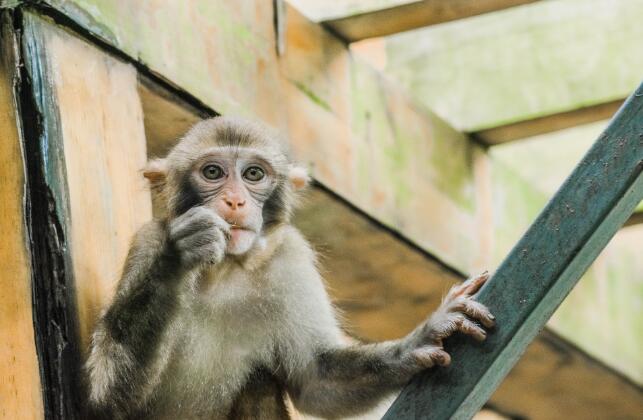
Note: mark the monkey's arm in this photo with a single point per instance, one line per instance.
(128, 333)
(126, 340)
(348, 380)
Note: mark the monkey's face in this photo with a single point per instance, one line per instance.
(235, 183)
(233, 167)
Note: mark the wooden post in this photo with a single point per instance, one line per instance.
(539, 272)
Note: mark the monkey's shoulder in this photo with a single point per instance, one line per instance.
(294, 246)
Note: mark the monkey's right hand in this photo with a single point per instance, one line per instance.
(199, 236)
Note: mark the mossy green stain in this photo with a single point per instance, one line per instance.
(311, 95)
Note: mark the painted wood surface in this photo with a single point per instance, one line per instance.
(540, 271)
(412, 15)
(20, 391)
(606, 306)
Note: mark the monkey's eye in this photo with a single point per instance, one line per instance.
(212, 172)
(254, 174)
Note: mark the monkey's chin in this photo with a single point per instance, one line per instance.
(241, 241)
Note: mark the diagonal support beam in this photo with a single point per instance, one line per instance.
(547, 124)
(539, 272)
(412, 16)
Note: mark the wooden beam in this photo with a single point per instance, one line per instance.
(547, 124)
(597, 198)
(411, 16)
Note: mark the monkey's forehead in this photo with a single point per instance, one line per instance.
(188, 159)
(236, 132)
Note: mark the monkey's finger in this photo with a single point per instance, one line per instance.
(200, 239)
(475, 283)
(194, 220)
(471, 328)
(431, 356)
(468, 288)
(475, 310)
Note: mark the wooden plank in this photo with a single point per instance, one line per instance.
(48, 219)
(88, 152)
(20, 391)
(413, 15)
(547, 124)
(104, 152)
(540, 271)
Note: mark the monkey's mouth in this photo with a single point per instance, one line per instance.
(234, 226)
(241, 239)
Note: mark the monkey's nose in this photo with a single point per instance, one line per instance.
(234, 202)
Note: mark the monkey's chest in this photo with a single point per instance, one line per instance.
(224, 334)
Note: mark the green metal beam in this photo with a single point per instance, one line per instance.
(597, 198)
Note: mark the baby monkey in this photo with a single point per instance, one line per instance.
(221, 311)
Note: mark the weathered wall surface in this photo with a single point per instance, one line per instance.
(360, 135)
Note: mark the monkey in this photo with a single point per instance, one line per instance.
(221, 311)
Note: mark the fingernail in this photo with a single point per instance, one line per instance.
(491, 317)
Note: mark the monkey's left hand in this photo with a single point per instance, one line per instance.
(457, 313)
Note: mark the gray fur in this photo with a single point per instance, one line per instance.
(199, 235)
(193, 332)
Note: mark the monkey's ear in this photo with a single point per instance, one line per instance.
(298, 176)
(155, 171)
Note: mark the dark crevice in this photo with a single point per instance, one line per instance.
(53, 296)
